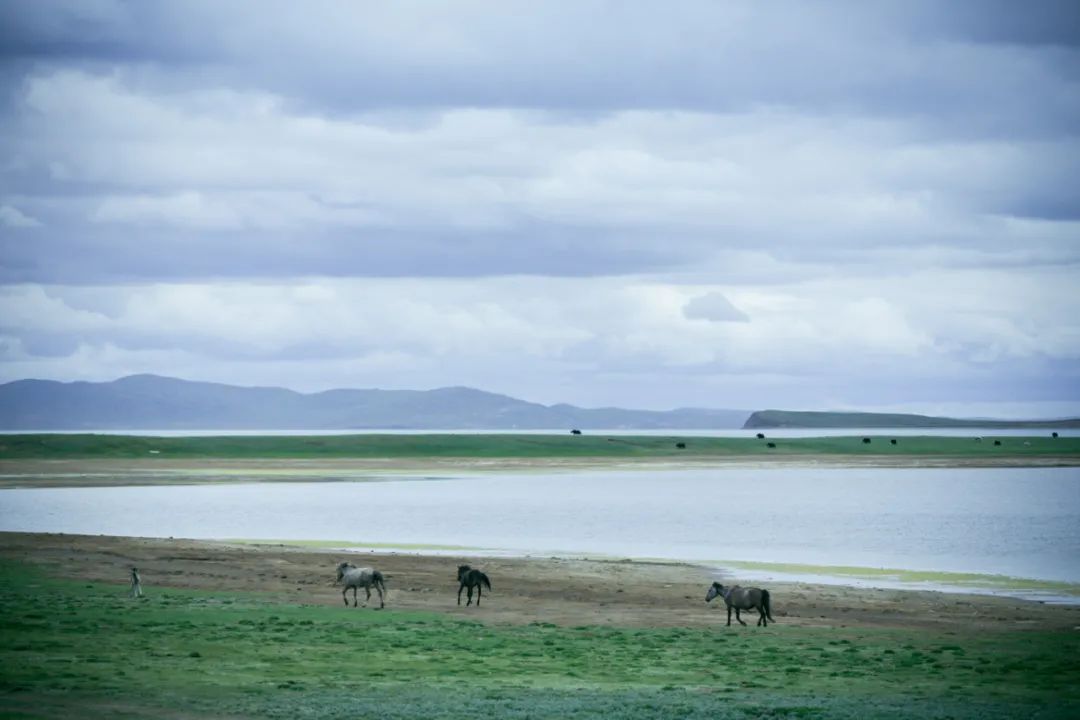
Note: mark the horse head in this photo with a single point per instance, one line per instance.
(341, 570)
(461, 570)
(714, 590)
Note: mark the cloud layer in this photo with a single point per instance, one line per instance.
(738, 204)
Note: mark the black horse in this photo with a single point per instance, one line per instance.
(740, 598)
(470, 579)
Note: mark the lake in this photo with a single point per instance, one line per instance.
(1022, 522)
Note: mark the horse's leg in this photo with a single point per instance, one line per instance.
(345, 599)
(381, 603)
(729, 616)
(737, 617)
(761, 615)
(479, 593)
(460, 588)
(367, 589)
(354, 589)
(470, 597)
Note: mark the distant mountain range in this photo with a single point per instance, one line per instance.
(151, 402)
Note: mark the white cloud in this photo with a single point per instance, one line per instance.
(227, 159)
(15, 218)
(568, 338)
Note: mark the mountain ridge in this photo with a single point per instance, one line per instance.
(156, 402)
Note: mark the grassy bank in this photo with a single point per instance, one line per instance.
(80, 648)
(50, 446)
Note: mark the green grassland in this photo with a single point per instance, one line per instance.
(54, 446)
(72, 649)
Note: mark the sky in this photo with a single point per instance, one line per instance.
(821, 206)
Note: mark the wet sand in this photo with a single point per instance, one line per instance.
(100, 472)
(563, 591)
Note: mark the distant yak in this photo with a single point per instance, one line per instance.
(866, 441)
(772, 445)
(681, 446)
(761, 436)
(893, 441)
(575, 431)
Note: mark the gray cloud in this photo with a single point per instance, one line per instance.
(715, 307)
(566, 188)
(892, 58)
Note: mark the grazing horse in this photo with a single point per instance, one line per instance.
(136, 584)
(354, 577)
(741, 598)
(470, 579)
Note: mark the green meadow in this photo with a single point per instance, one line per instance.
(73, 649)
(89, 446)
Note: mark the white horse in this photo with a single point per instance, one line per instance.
(354, 577)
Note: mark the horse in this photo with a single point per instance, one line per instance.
(354, 577)
(741, 598)
(469, 579)
(136, 584)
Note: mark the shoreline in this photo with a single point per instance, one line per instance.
(1056, 592)
(111, 472)
(561, 590)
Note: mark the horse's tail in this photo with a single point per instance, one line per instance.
(766, 604)
(484, 579)
(377, 578)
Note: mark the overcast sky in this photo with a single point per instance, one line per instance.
(827, 205)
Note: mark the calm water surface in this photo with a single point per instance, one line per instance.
(1023, 522)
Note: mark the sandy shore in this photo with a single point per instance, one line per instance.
(162, 471)
(562, 591)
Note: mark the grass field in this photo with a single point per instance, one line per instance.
(71, 648)
(53, 446)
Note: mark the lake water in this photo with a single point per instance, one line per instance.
(1022, 522)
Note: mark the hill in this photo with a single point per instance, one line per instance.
(792, 419)
(151, 402)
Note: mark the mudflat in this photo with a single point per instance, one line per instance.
(103, 472)
(562, 591)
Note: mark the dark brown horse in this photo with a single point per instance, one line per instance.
(740, 598)
(469, 579)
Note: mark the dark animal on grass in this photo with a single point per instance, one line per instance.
(469, 579)
(360, 577)
(681, 446)
(1053, 434)
(893, 441)
(772, 445)
(136, 584)
(575, 431)
(997, 442)
(739, 598)
(761, 436)
(866, 441)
